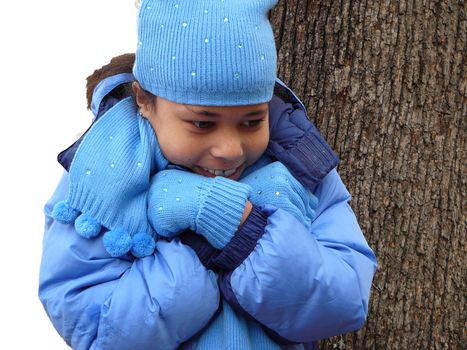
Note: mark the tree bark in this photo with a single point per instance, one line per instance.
(385, 83)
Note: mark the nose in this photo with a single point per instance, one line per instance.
(228, 147)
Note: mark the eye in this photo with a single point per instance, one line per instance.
(252, 123)
(200, 124)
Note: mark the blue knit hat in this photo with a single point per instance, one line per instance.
(205, 52)
(109, 182)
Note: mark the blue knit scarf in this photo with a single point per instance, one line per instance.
(109, 181)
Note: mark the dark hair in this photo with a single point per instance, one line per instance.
(119, 64)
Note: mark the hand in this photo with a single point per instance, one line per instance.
(274, 185)
(180, 200)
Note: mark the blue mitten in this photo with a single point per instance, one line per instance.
(180, 200)
(274, 185)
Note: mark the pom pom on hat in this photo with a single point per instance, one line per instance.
(64, 213)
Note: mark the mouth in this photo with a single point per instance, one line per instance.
(231, 173)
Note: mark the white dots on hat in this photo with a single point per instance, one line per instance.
(190, 78)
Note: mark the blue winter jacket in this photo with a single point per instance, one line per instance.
(277, 285)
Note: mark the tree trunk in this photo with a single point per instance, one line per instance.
(385, 82)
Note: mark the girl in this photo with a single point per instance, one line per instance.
(248, 256)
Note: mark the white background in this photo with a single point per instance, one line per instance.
(48, 49)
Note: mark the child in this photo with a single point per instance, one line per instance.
(251, 258)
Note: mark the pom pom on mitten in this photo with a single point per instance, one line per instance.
(274, 185)
(64, 213)
(180, 200)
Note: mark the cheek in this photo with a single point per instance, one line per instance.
(258, 145)
(178, 150)
(175, 145)
(173, 151)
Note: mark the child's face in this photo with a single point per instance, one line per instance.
(211, 141)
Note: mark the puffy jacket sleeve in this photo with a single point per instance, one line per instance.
(99, 302)
(302, 285)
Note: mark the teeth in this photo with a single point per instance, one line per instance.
(218, 172)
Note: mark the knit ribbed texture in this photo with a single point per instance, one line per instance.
(243, 243)
(180, 200)
(110, 173)
(205, 52)
(236, 251)
(234, 332)
(221, 210)
(229, 296)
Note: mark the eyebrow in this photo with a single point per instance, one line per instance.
(213, 114)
